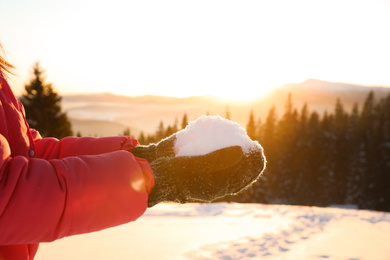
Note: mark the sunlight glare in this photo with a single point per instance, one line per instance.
(140, 49)
(244, 94)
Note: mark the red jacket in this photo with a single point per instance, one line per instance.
(50, 189)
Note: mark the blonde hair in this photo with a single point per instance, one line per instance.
(5, 66)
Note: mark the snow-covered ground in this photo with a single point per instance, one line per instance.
(235, 231)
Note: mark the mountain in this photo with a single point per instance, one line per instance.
(105, 114)
(331, 86)
(321, 95)
(111, 114)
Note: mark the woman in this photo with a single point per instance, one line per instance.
(53, 188)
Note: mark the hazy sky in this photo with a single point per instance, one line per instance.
(219, 47)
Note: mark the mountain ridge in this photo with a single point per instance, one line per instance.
(144, 113)
(309, 83)
(336, 86)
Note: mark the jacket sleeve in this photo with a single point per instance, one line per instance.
(51, 148)
(46, 199)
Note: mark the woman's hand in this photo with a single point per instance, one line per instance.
(199, 178)
(164, 148)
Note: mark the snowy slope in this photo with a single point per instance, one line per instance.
(235, 231)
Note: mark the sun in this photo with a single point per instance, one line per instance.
(245, 94)
(239, 96)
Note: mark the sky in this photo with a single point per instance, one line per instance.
(236, 49)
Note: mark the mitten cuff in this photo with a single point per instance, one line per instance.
(147, 152)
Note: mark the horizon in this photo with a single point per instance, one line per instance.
(224, 98)
(228, 49)
(144, 113)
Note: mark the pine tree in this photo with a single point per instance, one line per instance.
(184, 121)
(313, 184)
(288, 154)
(301, 157)
(355, 169)
(304, 119)
(227, 115)
(43, 107)
(126, 132)
(268, 140)
(368, 151)
(169, 131)
(339, 154)
(251, 127)
(268, 137)
(160, 133)
(141, 138)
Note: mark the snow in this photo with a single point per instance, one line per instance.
(234, 231)
(210, 133)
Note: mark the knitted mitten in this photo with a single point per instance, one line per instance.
(200, 178)
(153, 151)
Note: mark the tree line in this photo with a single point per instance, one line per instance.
(161, 132)
(341, 157)
(335, 158)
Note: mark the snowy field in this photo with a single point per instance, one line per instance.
(235, 231)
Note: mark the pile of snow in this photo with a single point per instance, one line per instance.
(210, 133)
(234, 231)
